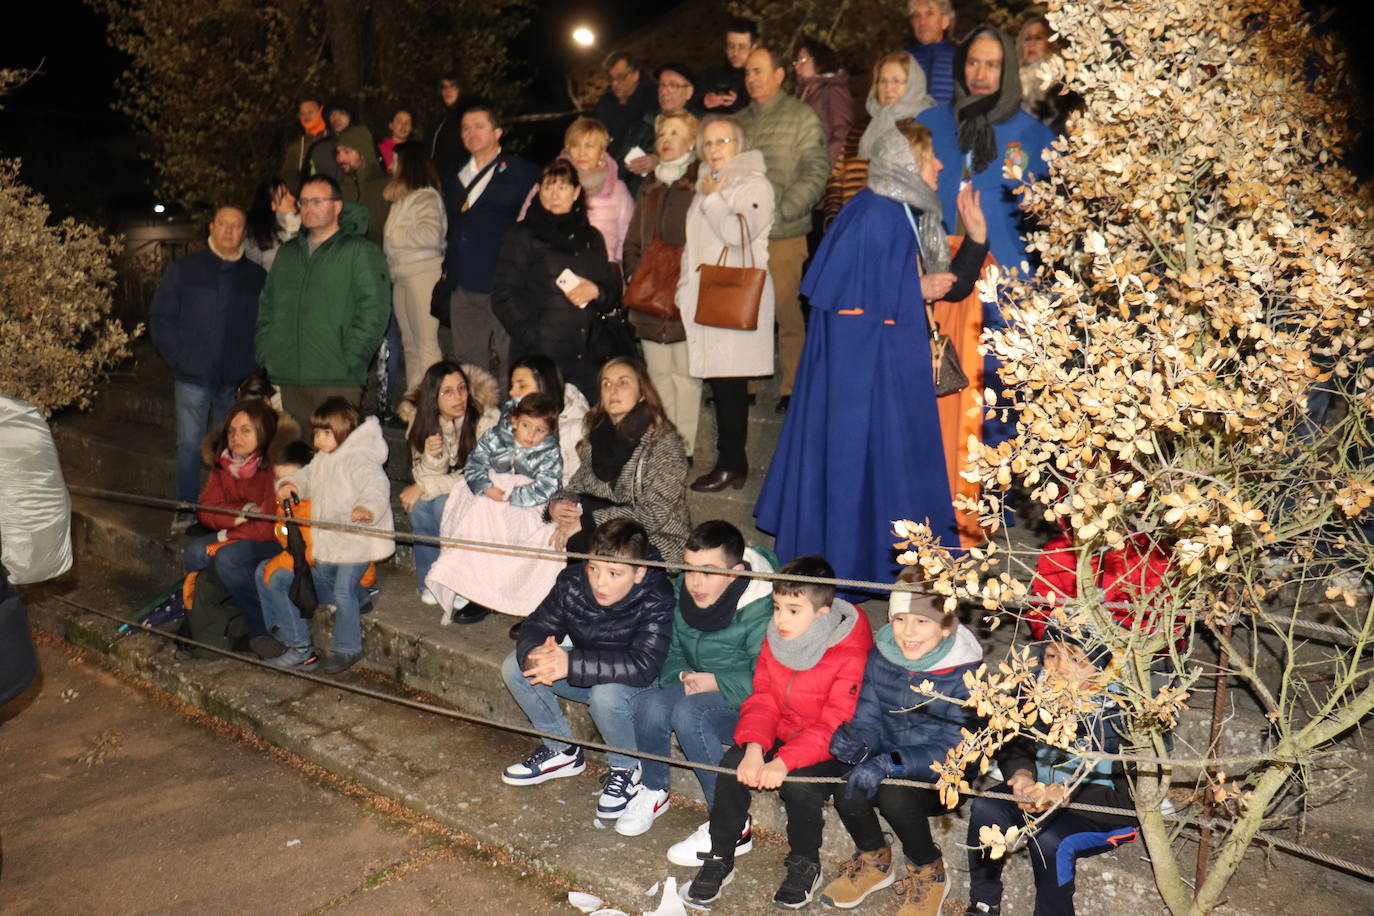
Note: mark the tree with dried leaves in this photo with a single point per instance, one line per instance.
(215, 83)
(56, 286)
(1205, 260)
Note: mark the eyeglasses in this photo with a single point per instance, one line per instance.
(801, 60)
(620, 77)
(711, 144)
(316, 201)
(675, 86)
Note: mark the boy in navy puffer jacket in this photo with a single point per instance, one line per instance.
(1042, 775)
(619, 619)
(897, 733)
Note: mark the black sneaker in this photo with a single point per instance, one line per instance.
(800, 885)
(714, 875)
(982, 909)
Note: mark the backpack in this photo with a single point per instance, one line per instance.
(213, 618)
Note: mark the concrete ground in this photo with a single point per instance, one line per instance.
(116, 800)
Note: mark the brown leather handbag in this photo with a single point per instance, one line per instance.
(653, 288)
(729, 297)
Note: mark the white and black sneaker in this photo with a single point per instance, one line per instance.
(692, 851)
(617, 788)
(642, 811)
(545, 764)
(802, 881)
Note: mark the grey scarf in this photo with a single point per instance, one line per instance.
(976, 114)
(801, 653)
(894, 173)
(885, 117)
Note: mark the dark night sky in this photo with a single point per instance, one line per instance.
(71, 141)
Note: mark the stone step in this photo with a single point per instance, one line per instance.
(116, 454)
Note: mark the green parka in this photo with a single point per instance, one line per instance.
(729, 654)
(322, 316)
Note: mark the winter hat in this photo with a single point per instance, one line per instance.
(681, 70)
(342, 103)
(923, 605)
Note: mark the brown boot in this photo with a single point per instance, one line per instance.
(922, 889)
(863, 874)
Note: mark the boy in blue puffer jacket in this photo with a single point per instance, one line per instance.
(1042, 775)
(888, 738)
(619, 620)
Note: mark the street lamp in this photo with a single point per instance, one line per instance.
(583, 36)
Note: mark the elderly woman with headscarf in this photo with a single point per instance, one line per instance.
(863, 441)
(898, 93)
(985, 138)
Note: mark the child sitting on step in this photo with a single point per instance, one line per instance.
(346, 482)
(1042, 776)
(617, 619)
(512, 471)
(897, 733)
(805, 685)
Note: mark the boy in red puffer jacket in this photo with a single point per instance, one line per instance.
(806, 684)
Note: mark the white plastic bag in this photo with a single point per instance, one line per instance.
(35, 510)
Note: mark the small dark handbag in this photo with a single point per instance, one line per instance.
(729, 297)
(610, 334)
(944, 360)
(653, 288)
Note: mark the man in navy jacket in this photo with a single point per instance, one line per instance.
(202, 322)
(483, 199)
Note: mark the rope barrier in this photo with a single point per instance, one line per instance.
(1337, 634)
(448, 713)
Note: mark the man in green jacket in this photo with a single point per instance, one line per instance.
(325, 306)
(718, 630)
(789, 134)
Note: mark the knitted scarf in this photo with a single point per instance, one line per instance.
(801, 653)
(613, 443)
(719, 614)
(887, 645)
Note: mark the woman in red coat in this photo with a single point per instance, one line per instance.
(241, 480)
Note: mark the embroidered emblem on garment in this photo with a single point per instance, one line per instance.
(1014, 162)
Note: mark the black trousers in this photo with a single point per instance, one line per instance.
(907, 811)
(802, 801)
(731, 396)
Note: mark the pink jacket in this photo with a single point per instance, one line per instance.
(609, 209)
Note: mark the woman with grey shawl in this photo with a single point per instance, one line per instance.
(863, 442)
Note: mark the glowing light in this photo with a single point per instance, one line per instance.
(584, 36)
(159, 208)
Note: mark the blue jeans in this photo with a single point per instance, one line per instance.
(197, 407)
(1062, 839)
(425, 519)
(237, 564)
(610, 705)
(336, 584)
(705, 725)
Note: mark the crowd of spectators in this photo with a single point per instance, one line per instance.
(548, 417)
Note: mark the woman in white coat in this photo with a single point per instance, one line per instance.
(414, 239)
(732, 184)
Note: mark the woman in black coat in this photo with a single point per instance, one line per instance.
(540, 315)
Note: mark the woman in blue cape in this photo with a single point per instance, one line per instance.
(862, 443)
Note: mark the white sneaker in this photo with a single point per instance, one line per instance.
(642, 811)
(543, 764)
(692, 851)
(427, 598)
(617, 788)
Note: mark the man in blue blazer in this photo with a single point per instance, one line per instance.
(483, 199)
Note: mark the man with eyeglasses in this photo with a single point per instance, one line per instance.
(723, 86)
(676, 92)
(325, 306)
(622, 108)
